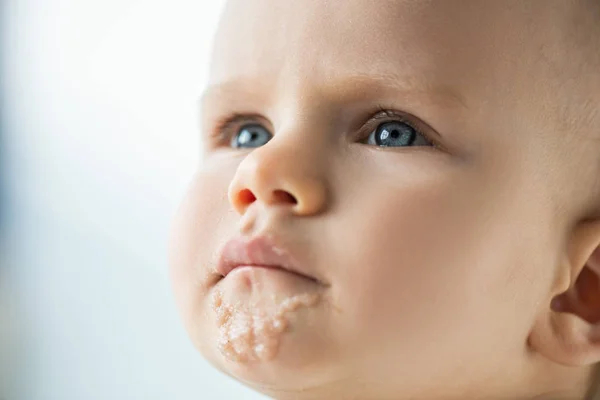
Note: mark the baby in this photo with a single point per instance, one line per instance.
(398, 200)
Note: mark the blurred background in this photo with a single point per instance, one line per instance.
(98, 140)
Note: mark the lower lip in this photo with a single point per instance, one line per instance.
(275, 278)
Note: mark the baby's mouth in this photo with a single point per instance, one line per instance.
(241, 255)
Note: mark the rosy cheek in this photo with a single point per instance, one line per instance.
(406, 259)
(194, 235)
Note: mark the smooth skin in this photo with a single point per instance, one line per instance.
(464, 265)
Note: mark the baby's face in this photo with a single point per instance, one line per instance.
(402, 158)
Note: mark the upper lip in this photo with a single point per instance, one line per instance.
(259, 251)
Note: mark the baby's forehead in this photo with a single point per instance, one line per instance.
(472, 43)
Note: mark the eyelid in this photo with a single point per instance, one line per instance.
(384, 115)
(228, 125)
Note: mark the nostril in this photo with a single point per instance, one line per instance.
(281, 196)
(246, 196)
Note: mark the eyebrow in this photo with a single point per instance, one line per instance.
(346, 88)
(423, 89)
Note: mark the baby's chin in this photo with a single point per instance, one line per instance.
(267, 330)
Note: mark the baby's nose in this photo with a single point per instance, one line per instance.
(280, 174)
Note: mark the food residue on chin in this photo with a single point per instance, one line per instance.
(251, 334)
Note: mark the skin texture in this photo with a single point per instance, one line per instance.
(465, 270)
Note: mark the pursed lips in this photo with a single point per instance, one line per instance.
(260, 252)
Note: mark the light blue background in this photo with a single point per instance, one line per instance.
(100, 106)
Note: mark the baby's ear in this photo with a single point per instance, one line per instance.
(568, 331)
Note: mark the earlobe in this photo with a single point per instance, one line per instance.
(567, 331)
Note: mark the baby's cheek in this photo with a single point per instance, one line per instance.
(410, 268)
(194, 237)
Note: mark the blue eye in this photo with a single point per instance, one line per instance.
(396, 134)
(250, 136)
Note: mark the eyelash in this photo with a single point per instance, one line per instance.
(384, 114)
(226, 126)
